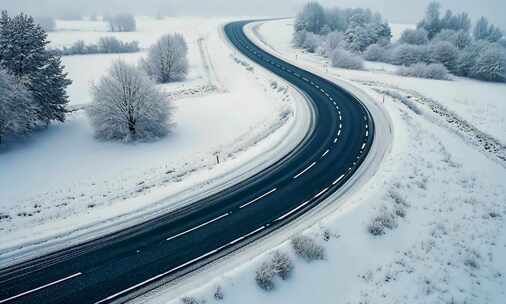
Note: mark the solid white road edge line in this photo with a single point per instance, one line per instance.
(247, 235)
(304, 171)
(256, 199)
(291, 212)
(197, 227)
(321, 192)
(41, 287)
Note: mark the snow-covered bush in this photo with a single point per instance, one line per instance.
(282, 264)
(414, 36)
(191, 300)
(376, 52)
(343, 59)
(167, 59)
(218, 293)
(407, 54)
(264, 276)
(422, 70)
(490, 65)
(128, 106)
(446, 53)
(122, 23)
(47, 23)
(307, 248)
(380, 223)
(17, 110)
(298, 39)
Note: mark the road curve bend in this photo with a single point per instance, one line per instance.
(134, 260)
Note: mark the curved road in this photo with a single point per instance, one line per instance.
(136, 259)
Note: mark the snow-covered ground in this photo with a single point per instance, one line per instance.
(445, 198)
(63, 179)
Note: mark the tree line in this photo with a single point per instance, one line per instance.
(440, 43)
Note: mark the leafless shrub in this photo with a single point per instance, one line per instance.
(282, 264)
(306, 248)
(218, 293)
(265, 276)
(381, 223)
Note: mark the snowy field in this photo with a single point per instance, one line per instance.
(443, 197)
(63, 179)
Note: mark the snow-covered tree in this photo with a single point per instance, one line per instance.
(312, 42)
(128, 106)
(460, 39)
(167, 59)
(414, 36)
(467, 57)
(481, 29)
(298, 39)
(336, 19)
(122, 23)
(332, 41)
(16, 107)
(490, 65)
(432, 21)
(445, 53)
(311, 18)
(48, 24)
(343, 59)
(23, 54)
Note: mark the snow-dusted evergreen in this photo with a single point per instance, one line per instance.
(16, 107)
(121, 23)
(167, 59)
(128, 106)
(23, 54)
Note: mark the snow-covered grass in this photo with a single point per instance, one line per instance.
(62, 179)
(440, 200)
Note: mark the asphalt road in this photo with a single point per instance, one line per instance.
(134, 260)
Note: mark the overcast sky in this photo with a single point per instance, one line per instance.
(399, 11)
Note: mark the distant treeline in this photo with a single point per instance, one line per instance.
(105, 45)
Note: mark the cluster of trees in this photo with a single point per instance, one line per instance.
(334, 32)
(32, 82)
(440, 44)
(121, 23)
(128, 105)
(358, 28)
(449, 41)
(105, 45)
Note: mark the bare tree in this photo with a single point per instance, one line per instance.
(129, 106)
(122, 23)
(167, 59)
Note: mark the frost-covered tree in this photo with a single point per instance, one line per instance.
(122, 23)
(467, 57)
(490, 65)
(167, 59)
(414, 36)
(47, 23)
(460, 39)
(332, 41)
(23, 54)
(432, 21)
(336, 19)
(16, 107)
(311, 18)
(128, 106)
(298, 39)
(445, 53)
(312, 42)
(481, 29)
(358, 38)
(343, 59)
